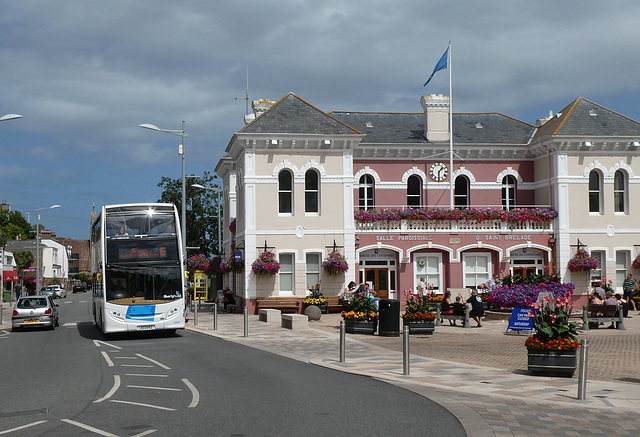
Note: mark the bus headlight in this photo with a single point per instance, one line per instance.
(116, 314)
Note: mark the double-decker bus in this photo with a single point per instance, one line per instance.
(137, 268)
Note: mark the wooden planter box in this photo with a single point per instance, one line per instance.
(360, 326)
(553, 363)
(420, 326)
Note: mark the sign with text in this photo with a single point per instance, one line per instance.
(520, 320)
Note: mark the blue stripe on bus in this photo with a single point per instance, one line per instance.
(141, 312)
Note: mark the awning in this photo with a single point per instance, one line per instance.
(9, 276)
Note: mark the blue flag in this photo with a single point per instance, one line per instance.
(441, 65)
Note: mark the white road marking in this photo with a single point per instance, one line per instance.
(116, 385)
(147, 374)
(70, 324)
(107, 359)
(154, 388)
(157, 363)
(126, 358)
(137, 365)
(99, 342)
(195, 394)
(8, 431)
(89, 428)
(144, 405)
(147, 432)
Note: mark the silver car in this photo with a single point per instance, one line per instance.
(35, 312)
(54, 291)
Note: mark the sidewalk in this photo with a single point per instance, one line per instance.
(479, 374)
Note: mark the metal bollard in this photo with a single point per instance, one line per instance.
(195, 315)
(0, 314)
(582, 371)
(405, 350)
(215, 316)
(342, 340)
(246, 321)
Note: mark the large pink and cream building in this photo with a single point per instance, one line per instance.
(380, 188)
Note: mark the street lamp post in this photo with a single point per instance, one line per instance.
(10, 117)
(38, 209)
(181, 151)
(217, 190)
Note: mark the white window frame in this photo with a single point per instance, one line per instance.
(509, 183)
(595, 191)
(414, 196)
(621, 193)
(314, 192)
(282, 192)
(433, 278)
(622, 266)
(365, 203)
(478, 275)
(600, 272)
(286, 273)
(312, 270)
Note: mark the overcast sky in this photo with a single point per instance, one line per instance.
(85, 74)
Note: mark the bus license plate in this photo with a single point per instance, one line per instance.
(146, 327)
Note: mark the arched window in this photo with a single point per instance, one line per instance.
(414, 191)
(508, 192)
(285, 192)
(311, 191)
(366, 192)
(620, 191)
(595, 191)
(461, 192)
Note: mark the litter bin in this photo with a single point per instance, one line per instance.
(389, 317)
(7, 295)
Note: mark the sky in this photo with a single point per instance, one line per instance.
(85, 74)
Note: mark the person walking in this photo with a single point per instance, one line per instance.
(627, 287)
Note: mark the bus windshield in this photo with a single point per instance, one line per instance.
(145, 283)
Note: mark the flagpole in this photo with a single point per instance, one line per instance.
(450, 132)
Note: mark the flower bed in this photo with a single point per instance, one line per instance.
(515, 215)
(526, 294)
(533, 343)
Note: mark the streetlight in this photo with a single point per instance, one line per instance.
(181, 151)
(217, 190)
(10, 117)
(38, 242)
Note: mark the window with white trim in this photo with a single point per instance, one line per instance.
(285, 192)
(620, 191)
(509, 185)
(285, 275)
(477, 268)
(461, 192)
(414, 191)
(366, 192)
(311, 191)
(598, 272)
(595, 191)
(622, 264)
(313, 268)
(429, 267)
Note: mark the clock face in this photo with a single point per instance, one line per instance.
(438, 171)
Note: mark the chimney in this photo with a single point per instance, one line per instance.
(436, 117)
(259, 107)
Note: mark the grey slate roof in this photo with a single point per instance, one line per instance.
(292, 115)
(583, 117)
(468, 128)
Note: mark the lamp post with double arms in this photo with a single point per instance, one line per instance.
(218, 191)
(38, 209)
(181, 151)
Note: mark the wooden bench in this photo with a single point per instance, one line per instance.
(284, 304)
(460, 312)
(333, 304)
(602, 314)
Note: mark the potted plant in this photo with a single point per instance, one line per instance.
(418, 315)
(315, 297)
(266, 264)
(582, 262)
(553, 348)
(334, 264)
(362, 315)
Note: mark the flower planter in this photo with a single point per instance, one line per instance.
(360, 326)
(420, 326)
(553, 363)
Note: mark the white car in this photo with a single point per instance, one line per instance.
(54, 290)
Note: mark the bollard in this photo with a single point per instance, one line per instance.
(582, 371)
(195, 315)
(0, 314)
(215, 316)
(342, 340)
(246, 321)
(405, 350)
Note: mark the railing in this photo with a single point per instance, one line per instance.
(444, 226)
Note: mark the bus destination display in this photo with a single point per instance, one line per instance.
(134, 253)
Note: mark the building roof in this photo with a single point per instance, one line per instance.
(292, 115)
(468, 128)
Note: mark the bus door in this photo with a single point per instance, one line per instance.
(380, 280)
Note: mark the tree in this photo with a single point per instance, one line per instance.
(202, 210)
(23, 258)
(12, 225)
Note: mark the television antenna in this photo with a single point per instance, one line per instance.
(246, 96)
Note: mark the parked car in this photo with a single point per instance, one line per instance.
(54, 291)
(35, 312)
(79, 288)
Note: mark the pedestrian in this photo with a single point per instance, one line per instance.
(421, 287)
(17, 290)
(346, 296)
(627, 287)
(477, 309)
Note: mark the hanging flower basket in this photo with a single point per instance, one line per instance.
(232, 226)
(636, 262)
(334, 264)
(582, 262)
(197, 262)
(231, 265)
(266, 264)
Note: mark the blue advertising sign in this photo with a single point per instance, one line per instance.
(520, 320)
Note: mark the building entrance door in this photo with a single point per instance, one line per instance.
(379, 278)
